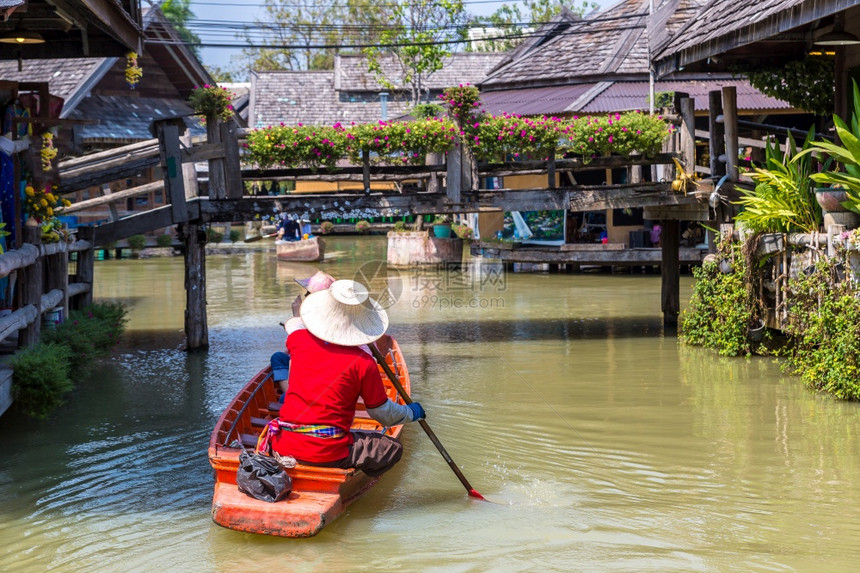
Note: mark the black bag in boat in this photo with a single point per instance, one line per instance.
(262, 478)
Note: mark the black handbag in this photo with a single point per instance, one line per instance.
(262, 478)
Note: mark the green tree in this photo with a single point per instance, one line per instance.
(419, 36)
(511, 22)
(178, 12)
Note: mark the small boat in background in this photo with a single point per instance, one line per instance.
(305, 250)
(319, 494)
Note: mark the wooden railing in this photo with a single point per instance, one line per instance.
(36, 264)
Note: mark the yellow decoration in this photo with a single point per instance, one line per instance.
(683, 178)
(133, 72)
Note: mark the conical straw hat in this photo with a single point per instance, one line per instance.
(344, 314)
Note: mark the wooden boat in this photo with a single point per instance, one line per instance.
(305, 250)
(319, 494)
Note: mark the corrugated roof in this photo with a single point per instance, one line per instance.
(626, 96)
(534, 101)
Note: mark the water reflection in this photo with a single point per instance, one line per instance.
(607, 446)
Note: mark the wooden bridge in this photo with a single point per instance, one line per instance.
(450, 187)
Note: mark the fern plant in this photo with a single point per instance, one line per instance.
(783, 200)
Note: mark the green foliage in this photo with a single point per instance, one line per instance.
(292, 146)
(663, 99)
(400, 142)
(214, 236)
(805, 84)
(88, 334)
(722, 308)
(847, 154)
(235, 235)
(136, 242)
(326, 227)
(462, 231)
(824, 329)
(400, 227)
(618, 133)
(164, 241)
(462, 101)
(40, 378)
(363, 226)
(427, 110)
(212, 101)
(783, 200)
(418, 35)
(179, 13)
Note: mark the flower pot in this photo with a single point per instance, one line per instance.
(756, 331)
(831, 199)
(442, 230)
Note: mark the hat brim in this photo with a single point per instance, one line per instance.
(304, 282)
(346, 325)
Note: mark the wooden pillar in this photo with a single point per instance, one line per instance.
(550, 171)
(454, 178)
(217, 183)
(717, 133)
(171, 163)
(687, 108)
(189, 172)
(670, 240)
(365, 170)
(30, 285)
(84, 272)
(196, 330)
(730, 124)
(232, 169)
(57, 277)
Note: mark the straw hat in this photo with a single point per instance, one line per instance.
(344, 314)
(320, 281)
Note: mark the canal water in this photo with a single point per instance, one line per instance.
(603, 444)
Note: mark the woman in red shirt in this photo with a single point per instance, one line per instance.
(328, 374)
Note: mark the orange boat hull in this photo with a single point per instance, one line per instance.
(319, 495)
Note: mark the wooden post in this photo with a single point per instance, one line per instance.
(84, 271)
(31, 288)
(454, 178)
(730, 124)
(365, 170)
(670, 269)
(217, 182)
(687, 107)
(550, 171)
(189, 172)
(57, 277)
(232, 169)
(717, 142)
(171, 163)
(196, 330)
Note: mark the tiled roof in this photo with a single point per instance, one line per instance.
(722, 25)
(626, 96)
(64, 76)
(129, 118)
(351, 73)
(614, 41)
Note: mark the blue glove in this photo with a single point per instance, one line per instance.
(417, 411)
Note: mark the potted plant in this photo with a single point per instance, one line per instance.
(442, 227)
(326, 227)
(363, 227)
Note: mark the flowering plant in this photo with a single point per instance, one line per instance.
(211, 101)
(48, 151)
(133, 72)
(41, 202)
(462, 100)
(288, 146)
(496, 137)
(400, 142)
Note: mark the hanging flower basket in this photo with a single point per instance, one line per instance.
(212, 101)
(133, 72)
(48, 151)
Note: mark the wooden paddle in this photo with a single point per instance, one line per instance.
(254, 239)
(430, 434)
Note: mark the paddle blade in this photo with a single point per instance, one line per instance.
(473, 493)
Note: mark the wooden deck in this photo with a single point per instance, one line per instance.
(582, 254)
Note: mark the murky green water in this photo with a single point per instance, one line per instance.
(607, 446)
